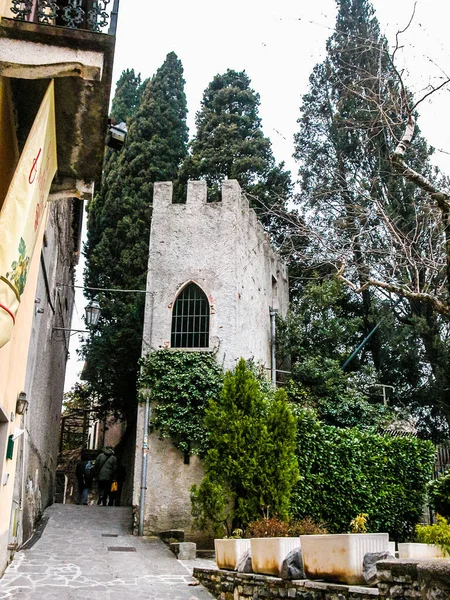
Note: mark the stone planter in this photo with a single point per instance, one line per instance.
(339, 557)
(268, 554)
(228, 552)
(416, 550)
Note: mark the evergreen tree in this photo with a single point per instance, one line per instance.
(250, 464)
(360, 209)
(124, 103)
(230, 144)
(156, 144)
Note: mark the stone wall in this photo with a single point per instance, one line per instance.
(404, 579)
(229, 585)
(46, 365)
(223, 248)
(412, 578)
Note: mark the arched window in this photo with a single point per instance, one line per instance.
(190, 319)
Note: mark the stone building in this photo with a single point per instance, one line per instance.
(47, 60)
(213, 282)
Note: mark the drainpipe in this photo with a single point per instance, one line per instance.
(146, 392)
(273, 313)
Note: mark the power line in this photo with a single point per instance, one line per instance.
(96, 289)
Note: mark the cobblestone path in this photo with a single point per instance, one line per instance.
(82, 555)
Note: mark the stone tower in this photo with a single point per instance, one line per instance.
(212, 280)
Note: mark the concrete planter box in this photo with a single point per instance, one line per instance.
(339, 557)
(228, 552)
(391, 548)
(268, 554)
(416, 550)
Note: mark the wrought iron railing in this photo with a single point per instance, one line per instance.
(93, 15)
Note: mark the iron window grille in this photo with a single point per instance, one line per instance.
(190, 319)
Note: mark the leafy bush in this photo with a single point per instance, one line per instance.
(250, 464)
(359, 523)
(439, 494)
(275, 527)
(438, 534)
(266, 528)
(181, 383)
(345, 472)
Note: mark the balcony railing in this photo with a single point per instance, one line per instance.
(91, 15)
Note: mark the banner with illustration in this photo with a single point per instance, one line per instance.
(22, 212)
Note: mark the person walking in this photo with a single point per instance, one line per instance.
(84, 475)
(114, 497)
(105, 467)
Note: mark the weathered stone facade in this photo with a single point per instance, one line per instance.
(223, 249)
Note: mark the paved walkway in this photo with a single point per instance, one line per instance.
(75, 559)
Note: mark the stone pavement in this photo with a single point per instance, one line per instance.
(75, 559)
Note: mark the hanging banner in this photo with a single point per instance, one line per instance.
(22, 212)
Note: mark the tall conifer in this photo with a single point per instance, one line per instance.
(351, 120)
(229, 144)
(156, 144)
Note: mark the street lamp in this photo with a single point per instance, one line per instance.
(91, 317)
(22, 403)
(92, 313)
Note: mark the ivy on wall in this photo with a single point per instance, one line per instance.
(181, 384)
(345, 472)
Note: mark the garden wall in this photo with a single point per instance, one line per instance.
(412, 578)
(230, 585)
(405, 579)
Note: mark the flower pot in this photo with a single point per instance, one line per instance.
(339, 557)
(268, 554)
(416, 550)
(228, 552)
(391, 548)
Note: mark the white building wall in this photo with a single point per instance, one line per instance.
(222, 248)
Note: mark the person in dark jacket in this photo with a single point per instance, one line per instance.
(105, 468)
(85, 480)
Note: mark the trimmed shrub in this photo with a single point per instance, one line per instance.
(346, 472)
(275, 527)
(250, 464)
(439, 494)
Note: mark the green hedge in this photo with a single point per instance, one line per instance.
(345, 472)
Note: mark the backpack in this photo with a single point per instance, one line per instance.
(89, 469)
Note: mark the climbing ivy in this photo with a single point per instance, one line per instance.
(181, 384)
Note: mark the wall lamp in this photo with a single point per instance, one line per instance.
(22, 403)
(91, 316)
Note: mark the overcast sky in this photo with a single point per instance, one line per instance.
(277, 43)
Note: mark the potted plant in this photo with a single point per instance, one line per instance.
(433, 541)
(230, 549)
(273, 539)
(339, 557)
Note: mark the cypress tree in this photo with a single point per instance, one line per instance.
(124, 103)
(250, 464)
(156, 144)
(229, 144)
(351, 119)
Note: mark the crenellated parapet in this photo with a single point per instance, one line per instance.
(231, 211)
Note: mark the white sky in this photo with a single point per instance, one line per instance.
(277, 43)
